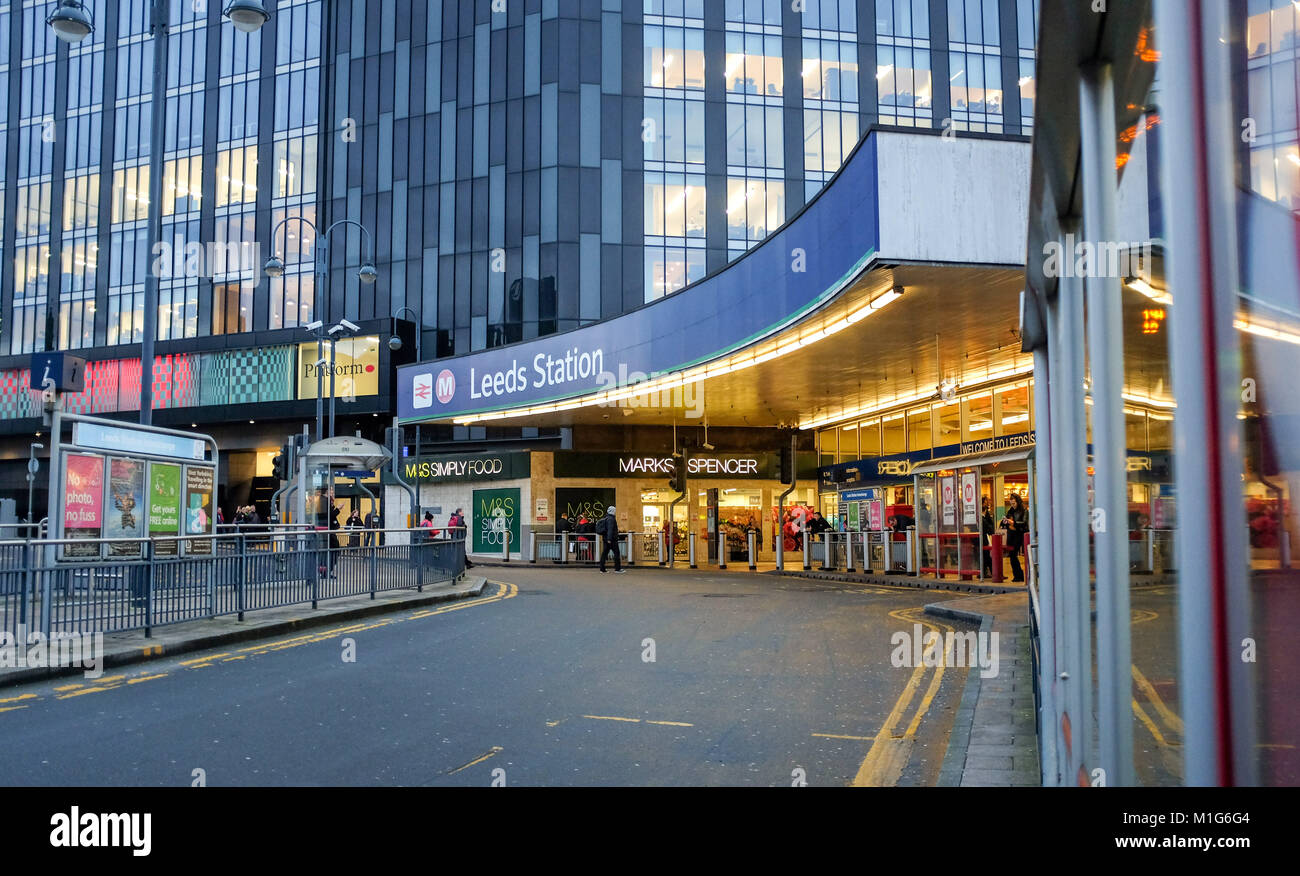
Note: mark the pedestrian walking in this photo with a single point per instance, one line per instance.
(1016, 524)
(608, 527)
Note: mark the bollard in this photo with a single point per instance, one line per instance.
(828, 545)
(1284, 552)
(722, 550)
(848, 552)
(866, 554)
(661, 548)
(1151, 551)
(752, 538)
(505, 546)
(910, 547)
(995, 552)
(532, 546)
(807, 550)
(780, 550)
(690, 549)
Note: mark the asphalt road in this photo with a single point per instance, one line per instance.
(554, 677)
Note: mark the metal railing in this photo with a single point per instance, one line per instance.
(173, 580)
(585, 547)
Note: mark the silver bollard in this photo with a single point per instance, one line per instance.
(807, 550)
(690, 549)
(911, 552)
(505, 546)
(532, 546)
(828, 545)
(752, 538)
(1284, 551)
(848, 552)
(1151, 551)
(661, 547)
(564, 547)
(780, 550)
(722, 550)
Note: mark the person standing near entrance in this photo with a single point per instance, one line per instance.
(986, 532)
(608, 527)
(1016, 524)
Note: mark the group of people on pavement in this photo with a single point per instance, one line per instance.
(456, 526)
(606, 527)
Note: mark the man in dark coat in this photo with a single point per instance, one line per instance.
(607, 526)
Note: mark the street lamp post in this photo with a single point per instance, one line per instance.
(395, 344)
(350, 329)
(367, 274)
(71, 22)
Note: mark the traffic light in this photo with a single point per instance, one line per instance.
(278, 468)
(678, 481)
(787, 465)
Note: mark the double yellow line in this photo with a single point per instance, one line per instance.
(891, 748)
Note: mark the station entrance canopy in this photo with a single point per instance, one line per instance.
(915, 242)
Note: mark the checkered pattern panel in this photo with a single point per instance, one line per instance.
(101, 382)
(128, 385)
(17, 401)
(243, 375)
(276, 377)
(214, 385)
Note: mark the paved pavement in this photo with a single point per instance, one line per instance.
(549, 677)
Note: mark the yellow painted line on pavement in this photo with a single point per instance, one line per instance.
(12, 708)
(236, 657)
(19, 698)
(891, 750)
(61, 687)
(842, 736)
(198, 660)
(612, 718)
(1168, 715)
(146, 678)
(496, 749)
(108, 678)
(671, 723)
(1149, 724)
(86, 690)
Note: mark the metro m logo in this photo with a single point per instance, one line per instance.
(446, 386)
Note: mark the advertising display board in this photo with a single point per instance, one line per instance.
(969, 499)
(494, 513)
(124, 511)
(948, 492)
(198, 518)
(580, 502)
(83, 503)
(164, 506)
(356, 368)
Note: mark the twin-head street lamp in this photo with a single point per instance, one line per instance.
(71, 22)
(367, 274)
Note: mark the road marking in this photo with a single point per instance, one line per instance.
(87, 690)
(1150, 725)
(891, 749)
(12, 708)
(62, 687)
(496, 749)
(107, 678)
(21, 697)
(198, 660)
(146, 678)
(1171, 719)
(612, 718)
(671, 723)
(842, 736)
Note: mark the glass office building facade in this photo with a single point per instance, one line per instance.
(524, 166)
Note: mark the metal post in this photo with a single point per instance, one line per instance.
(910, 547)
(848, 551)
(532, 545)
(320, 379)
(807, 549)
(505, 545)
(778, 543)
(1106, 365)
(661, 547)
(690, 548)
(158, 122)
(752, 538)
(1214, 599)
(827, 547)
(722, 549)
(564, 546)
(334, 345)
